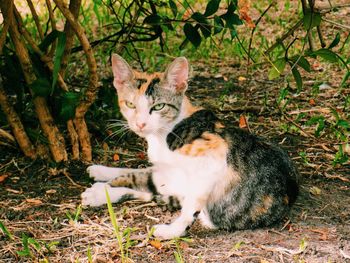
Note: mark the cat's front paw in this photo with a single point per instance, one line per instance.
(99, 172)
(164, 231)
(95, 195)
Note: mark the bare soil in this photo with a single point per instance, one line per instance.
(39, 198)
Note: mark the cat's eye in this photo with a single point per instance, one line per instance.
(130, 105)
(158, 107)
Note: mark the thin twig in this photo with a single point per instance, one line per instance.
(283, 37)
(336, 24)
(253, 31)
(36, 19)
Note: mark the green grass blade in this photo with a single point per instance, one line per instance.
(5, 231)
(115, 226)
(61, 43)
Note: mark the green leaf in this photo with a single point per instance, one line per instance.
(345, 79)
(192, 34)
(327, 54)
(297, 77)
(61, 43)
(203, 23)
(302, 62)
(5, 230)
(152, 20)
(311, 20)
(320, 121)
(343, 123)
(173, 7)
(231, 20)
(212, 7)
(335, 41)
(41, 87)
(277, 68)
(48, 40)
(218, 24)
(69, 102)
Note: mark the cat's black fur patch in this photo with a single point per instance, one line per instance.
(139, 82)
(150, 89)
(191, 128)
(151, 186)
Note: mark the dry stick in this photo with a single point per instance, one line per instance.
(16, 125)
(44, 58)
(90, 94)
(320, 36)
(36, 19)
(55, 139)
(74, 7)
(336, 24)
(3, 36)
(53, 25)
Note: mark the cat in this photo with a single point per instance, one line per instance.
(223, 175)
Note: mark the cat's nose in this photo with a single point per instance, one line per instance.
(141, 125)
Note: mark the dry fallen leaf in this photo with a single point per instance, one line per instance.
(13, 191)
(156, 244)
(312, 102)
(323, 232)
(315, 190)
(141, 155)
(51, 191)
(243, 122)
(243, 9)
(241, 78)
(3, 177)
(116, 157)
(34, 201)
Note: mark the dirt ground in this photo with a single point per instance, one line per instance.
(40, 200)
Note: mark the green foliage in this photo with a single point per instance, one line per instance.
(5, 230)
(277, 68)
(311, 19)
(74, 218)
(61, 42)
(123, 237)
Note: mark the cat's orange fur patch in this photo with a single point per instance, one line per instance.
(122, 181)
(148, 77)
(189, 108)
(208, 145)
(263, 208)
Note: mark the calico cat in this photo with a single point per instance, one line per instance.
(223, 175)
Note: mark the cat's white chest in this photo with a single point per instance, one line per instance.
(178, 174)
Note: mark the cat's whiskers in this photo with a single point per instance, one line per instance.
(123, 128)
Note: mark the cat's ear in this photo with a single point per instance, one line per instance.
(176, 74)
(122, 72)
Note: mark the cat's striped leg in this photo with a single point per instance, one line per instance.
(142, 179)
(191, 207)
(96, 194)
(102, 173)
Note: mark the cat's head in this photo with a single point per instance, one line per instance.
(151, 103)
